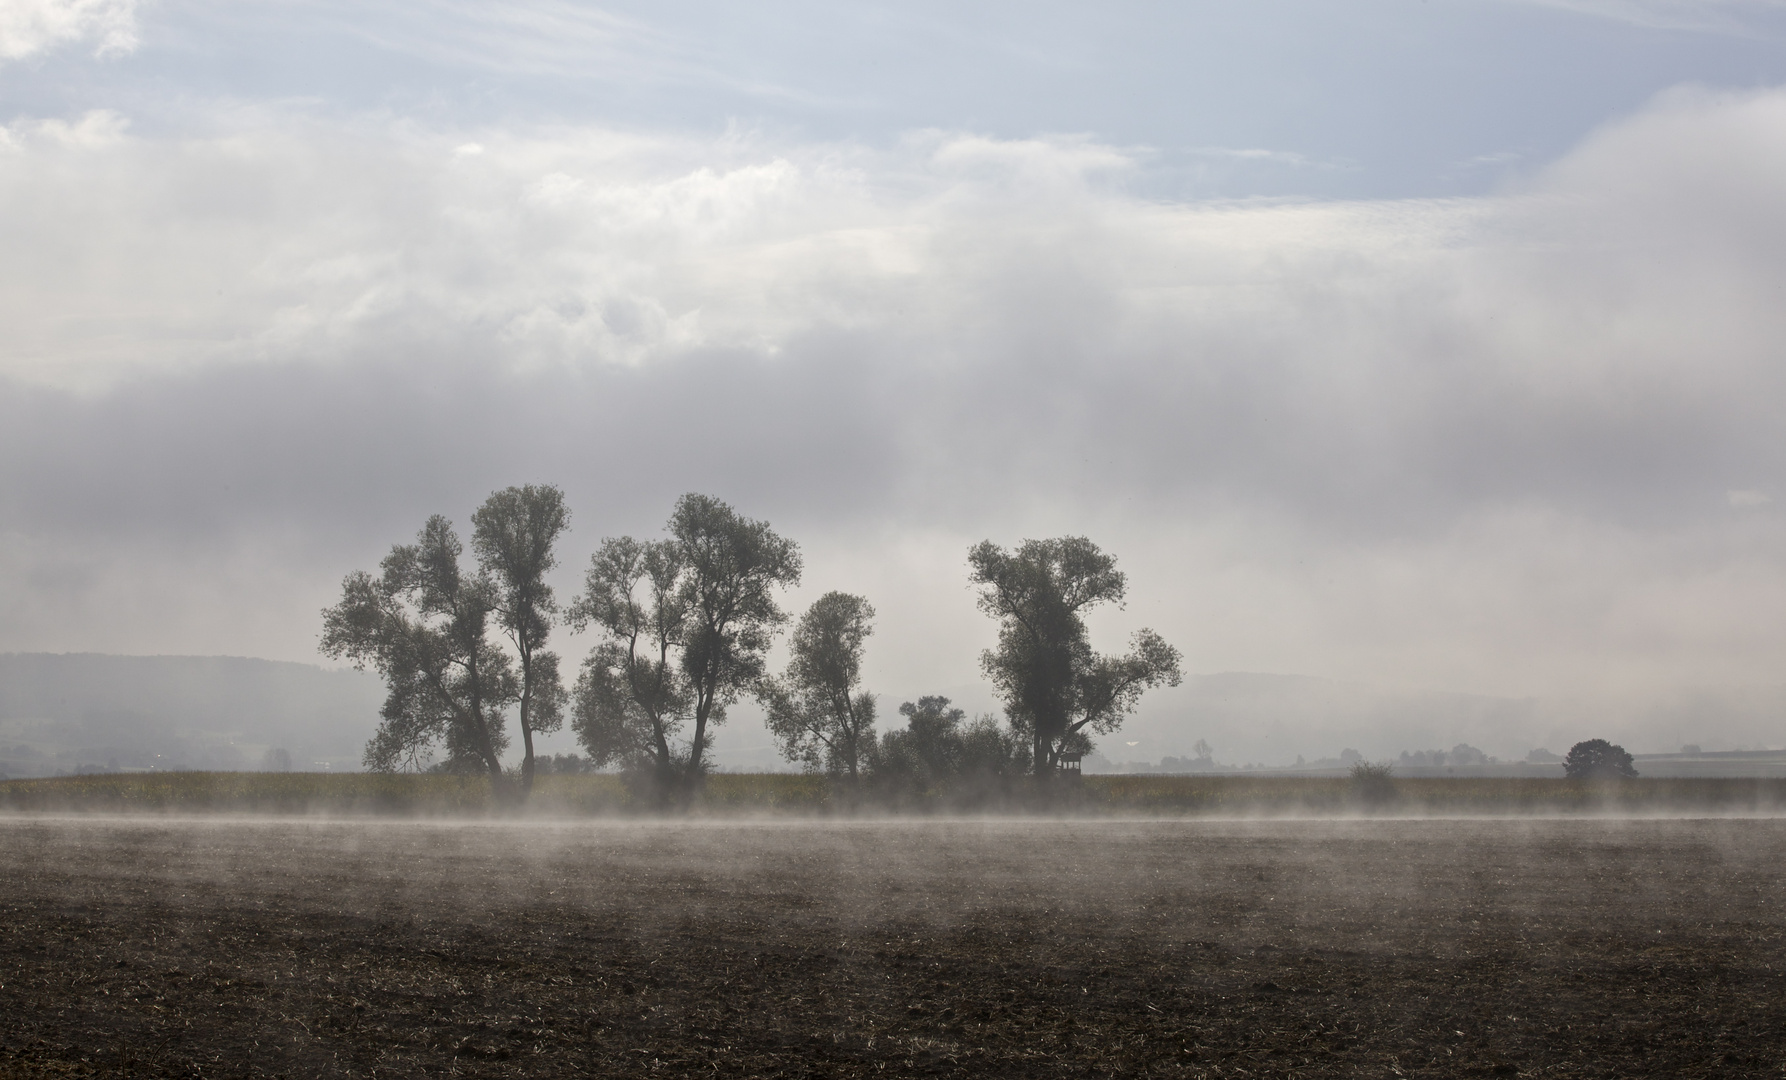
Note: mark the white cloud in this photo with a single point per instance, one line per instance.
(30, 27)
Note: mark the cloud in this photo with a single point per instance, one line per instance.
(1738, 17)
(30, 27)
(1483, 444)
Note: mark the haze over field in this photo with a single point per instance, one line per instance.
(1422, 348)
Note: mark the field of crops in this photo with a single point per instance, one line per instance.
(727, 794)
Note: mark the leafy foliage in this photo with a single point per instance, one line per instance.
(685, 624)
(939, 753)
(513, 535)
(1597, 759)
(817, 711)
(1055, 688)
(422, 624)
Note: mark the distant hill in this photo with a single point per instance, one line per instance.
(62, 712)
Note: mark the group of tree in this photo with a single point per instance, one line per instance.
(425, 622)
(683, 627)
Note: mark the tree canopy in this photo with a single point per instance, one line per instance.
(1055, 687)
(1597, 759)
(817, 711)
(685, 623)
(423, 624)
(513, 534)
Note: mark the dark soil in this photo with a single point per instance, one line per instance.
(1378, 948)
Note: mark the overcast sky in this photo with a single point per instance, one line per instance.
(1417, 343)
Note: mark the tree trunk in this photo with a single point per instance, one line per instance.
(527, 757)
(526, 719)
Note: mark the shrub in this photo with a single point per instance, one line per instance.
(1373, 783)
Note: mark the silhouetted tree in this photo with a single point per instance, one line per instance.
(938, 752)
(685, 623)
(1597, 759)
(1055, 688)
(513, 534)
(423, 625)
(631, 700)
(817, 711)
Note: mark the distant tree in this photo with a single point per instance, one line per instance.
(278, 759)
(563, 765)
(423, 624)
(817, 711)
(1597, 759)
(1202, 751)
(685, 624)
(938, 749)
(513, 534)
(1055, 688)
(927, 750)
(1465, 754)
(1373, 783)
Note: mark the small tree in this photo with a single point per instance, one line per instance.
(1054, 686)
(1597, 759)
(423, 625)
(817, 711)
(938, 749)
(513, 535)
(685, 624)
(1373, 783)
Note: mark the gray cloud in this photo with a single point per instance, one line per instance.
(1488, 444)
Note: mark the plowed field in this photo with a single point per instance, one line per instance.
(153, 947)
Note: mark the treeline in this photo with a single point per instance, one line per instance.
(683, 626)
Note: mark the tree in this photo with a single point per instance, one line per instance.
(816, 710)
(686, 622)
(1055, 688)
(423, 625)
(513, 534)
(631, 701)
(927, 750)
(937, 750)
(734, 566)
(1597, 759)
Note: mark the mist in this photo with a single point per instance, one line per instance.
(1498, 425)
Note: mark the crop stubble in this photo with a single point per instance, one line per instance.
(974, 948)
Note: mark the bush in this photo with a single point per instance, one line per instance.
(939, 757)
(1373, 783)
(1597, 759)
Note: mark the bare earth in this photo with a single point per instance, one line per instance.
(983, 948)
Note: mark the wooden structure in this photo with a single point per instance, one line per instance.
(1066, 767)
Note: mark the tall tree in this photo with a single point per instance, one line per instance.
(1054, 686)
(817, 711)
(686, 622)
(513, 534)
(630, 701)
(734, 565)
(423, 624)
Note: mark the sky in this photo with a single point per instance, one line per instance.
(1427, 345)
